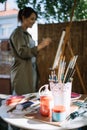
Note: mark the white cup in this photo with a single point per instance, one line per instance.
(61, 94)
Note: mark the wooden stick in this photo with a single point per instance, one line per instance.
(78, 72)
(68, 28)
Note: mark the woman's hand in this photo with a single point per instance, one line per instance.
(45, 42)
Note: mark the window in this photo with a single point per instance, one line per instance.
(5, 30)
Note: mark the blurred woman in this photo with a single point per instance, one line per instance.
(24, 69)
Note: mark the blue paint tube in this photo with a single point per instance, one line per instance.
(24, 105)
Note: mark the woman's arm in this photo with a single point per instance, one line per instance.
(45, 42)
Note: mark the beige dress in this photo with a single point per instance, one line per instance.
(21, 70)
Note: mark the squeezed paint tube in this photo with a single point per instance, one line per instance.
(24, 105)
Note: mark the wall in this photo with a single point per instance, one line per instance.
(78, 42)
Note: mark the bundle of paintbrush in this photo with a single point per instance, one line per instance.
(64, 74)
(70, 70)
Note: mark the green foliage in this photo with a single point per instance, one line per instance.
(2, 1)
(22, 3)
(81, 10)
(56, 10)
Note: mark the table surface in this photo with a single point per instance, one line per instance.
(31, 124)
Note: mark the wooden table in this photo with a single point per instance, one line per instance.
(31, 124)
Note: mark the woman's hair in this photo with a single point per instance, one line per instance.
(26, 12)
